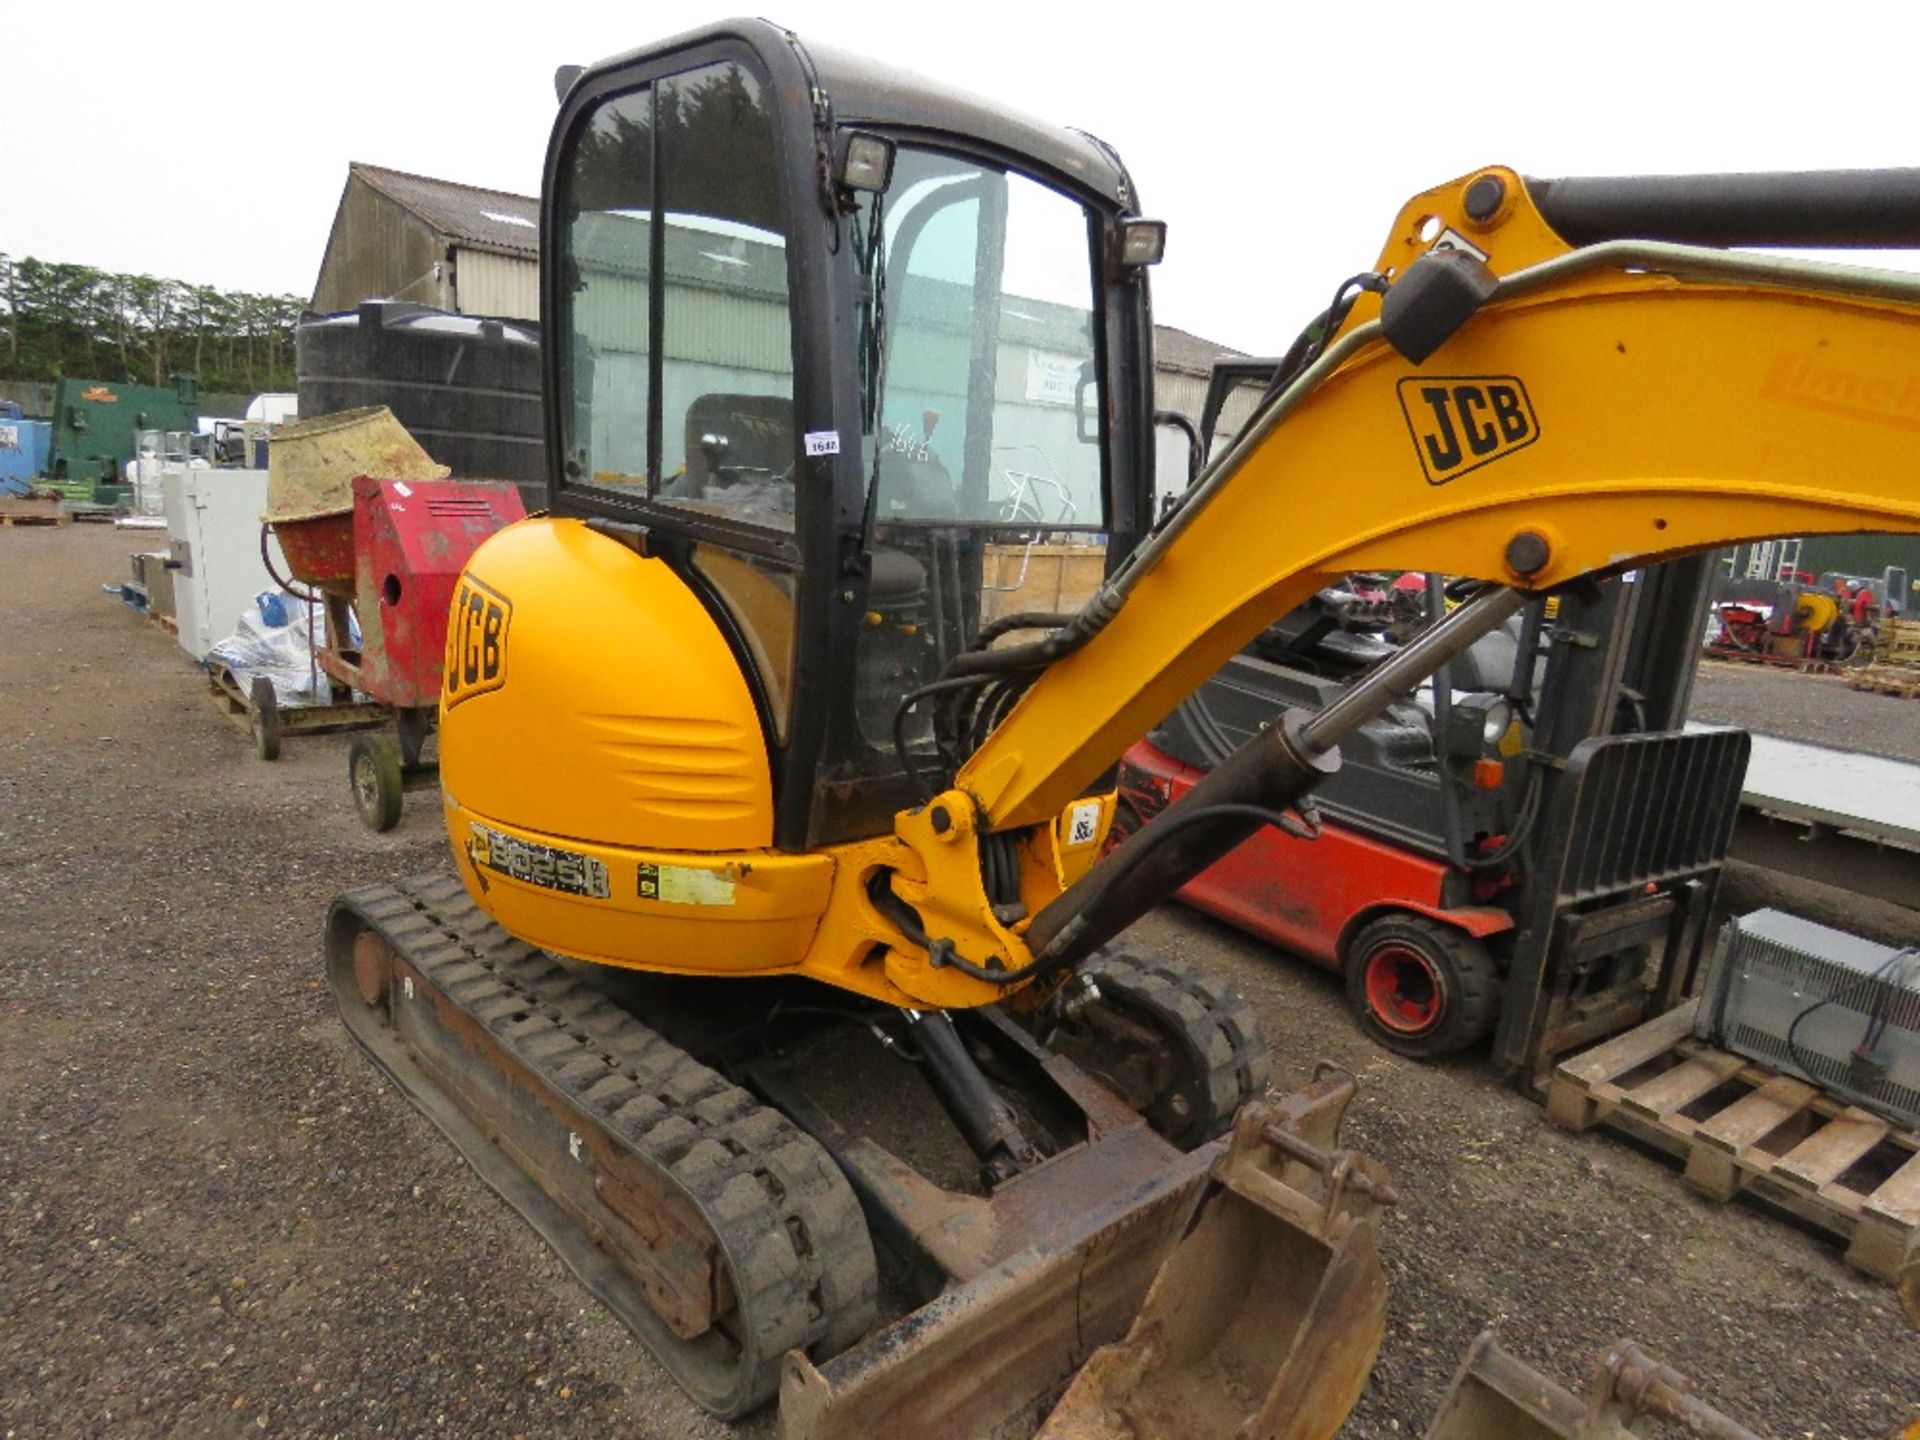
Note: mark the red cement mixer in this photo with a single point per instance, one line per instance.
(373, 529)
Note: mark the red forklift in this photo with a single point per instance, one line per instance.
(1529, 850)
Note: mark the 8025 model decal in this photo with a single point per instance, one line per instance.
(1461, 422)
(548, 866)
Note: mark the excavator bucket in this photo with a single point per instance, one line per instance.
(981, 1359)
(1265, 1319)
(1264, 1304)
(1496, 1394)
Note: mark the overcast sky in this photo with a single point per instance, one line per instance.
(209, 142)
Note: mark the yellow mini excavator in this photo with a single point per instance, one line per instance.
(774, 982)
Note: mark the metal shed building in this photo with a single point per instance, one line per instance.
(477, 252)
(409, 237)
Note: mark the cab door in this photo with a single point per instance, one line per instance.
(673, 396)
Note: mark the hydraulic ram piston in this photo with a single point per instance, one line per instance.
(1270, 772)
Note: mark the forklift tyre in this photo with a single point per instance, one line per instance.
(373, 771)
(1421, 988)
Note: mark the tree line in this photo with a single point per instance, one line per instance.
(59, 320)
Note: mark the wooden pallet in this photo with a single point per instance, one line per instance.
(1900, 641)
(1901, 680)
(1741, 1128)
(10, 517)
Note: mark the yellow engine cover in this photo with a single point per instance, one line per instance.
(605, 773)
(615, 713)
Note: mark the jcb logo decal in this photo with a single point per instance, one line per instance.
(476, 642)
(1461, 422)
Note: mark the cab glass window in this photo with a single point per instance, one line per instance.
(991, 405)
(983, 425)
(726, 391)
(681, 345)
(607, 197)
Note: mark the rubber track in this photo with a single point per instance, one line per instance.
(801, 1261)
(1219, 1028)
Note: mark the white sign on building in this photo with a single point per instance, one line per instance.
(1051, 378)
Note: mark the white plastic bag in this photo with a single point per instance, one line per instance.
(282, 652)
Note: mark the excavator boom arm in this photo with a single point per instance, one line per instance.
(1609, 407)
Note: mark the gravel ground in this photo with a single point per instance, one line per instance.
(1819, 709)
(215, 1222)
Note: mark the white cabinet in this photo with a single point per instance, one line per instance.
(213, 530)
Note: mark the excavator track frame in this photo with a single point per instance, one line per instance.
(740, 1238)
(733, 1236)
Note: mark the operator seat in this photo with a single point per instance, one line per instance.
(734, 439)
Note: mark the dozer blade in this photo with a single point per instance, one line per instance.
(1265, 1320)
(1497, 1395)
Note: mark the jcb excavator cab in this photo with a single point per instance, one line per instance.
(839, 351)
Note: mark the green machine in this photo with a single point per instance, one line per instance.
(96, 425)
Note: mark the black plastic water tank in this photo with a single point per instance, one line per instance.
(466, 386)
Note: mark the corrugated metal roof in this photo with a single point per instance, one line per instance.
(464, 213)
